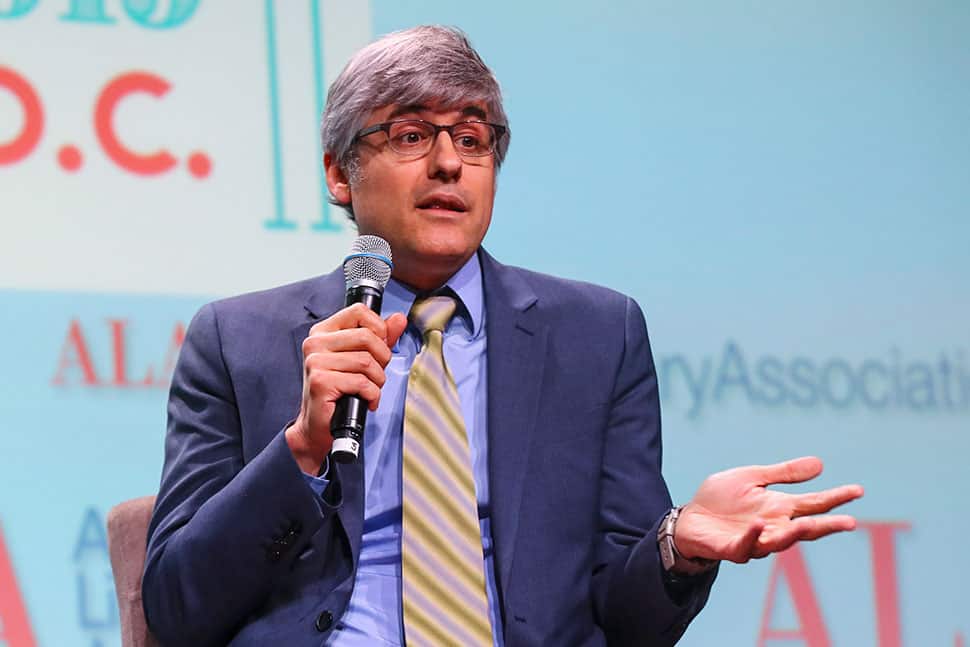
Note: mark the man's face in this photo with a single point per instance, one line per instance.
(434, 210)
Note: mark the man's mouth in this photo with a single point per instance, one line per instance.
(443, 202)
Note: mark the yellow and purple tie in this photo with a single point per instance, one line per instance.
(443, 575)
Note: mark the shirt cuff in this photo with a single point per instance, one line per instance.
(319, 483)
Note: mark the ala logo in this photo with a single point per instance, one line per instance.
(79, 366)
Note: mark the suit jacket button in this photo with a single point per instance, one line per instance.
(324, 621)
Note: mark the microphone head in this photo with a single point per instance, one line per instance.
(369, 260)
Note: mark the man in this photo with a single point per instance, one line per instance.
(527, 415)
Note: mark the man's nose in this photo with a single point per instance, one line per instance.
(444, 160)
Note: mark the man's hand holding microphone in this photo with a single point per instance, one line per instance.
(344, 357)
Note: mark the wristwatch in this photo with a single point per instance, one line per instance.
(673, 562)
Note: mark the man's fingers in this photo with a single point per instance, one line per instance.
(775, 540)
(821, 502)
(350, 362)
(355, 316)
(797, 470)
(354, 339)
(812, 528)
(396, 324)
(745, 548)
(329, 386)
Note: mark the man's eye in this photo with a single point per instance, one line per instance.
(468, 142)
(409, 137)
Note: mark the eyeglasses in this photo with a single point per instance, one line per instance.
(416, 137)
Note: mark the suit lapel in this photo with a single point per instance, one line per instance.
(516, 353)
(326, 298)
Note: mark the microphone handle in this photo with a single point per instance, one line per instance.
(350, 412)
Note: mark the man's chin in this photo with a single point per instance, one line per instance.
(429, 268)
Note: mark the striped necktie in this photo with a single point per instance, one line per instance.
(444, 600)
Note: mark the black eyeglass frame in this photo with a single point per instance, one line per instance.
(385, 127)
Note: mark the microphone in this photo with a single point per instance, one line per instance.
(367, 269)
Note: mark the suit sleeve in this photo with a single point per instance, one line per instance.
(223, 533)
(633, 603)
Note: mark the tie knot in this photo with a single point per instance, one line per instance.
(432, 313)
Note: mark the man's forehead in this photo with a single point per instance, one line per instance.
(472, 109)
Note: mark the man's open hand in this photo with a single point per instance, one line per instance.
(735, 517)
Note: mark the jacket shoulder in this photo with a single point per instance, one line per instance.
(579, 297)
(242, 323)
(273, 298)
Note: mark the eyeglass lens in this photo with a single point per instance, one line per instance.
(472, 139)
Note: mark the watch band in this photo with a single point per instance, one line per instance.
(673, 562)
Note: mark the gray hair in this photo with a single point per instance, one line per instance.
(428, 64)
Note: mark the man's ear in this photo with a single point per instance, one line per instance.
(337, 181)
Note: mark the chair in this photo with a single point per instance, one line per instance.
(127, 538)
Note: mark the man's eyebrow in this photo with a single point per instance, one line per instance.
(474, 111)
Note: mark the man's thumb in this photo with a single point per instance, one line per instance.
(396, 324)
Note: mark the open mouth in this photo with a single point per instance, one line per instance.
(443, 203)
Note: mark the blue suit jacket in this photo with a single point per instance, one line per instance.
(242, 552)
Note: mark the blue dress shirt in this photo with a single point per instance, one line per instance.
(373, 615)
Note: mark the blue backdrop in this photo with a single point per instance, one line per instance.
(782, 186)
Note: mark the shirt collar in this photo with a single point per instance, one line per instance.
(466, 283)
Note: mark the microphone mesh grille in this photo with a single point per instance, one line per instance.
(374, 266)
